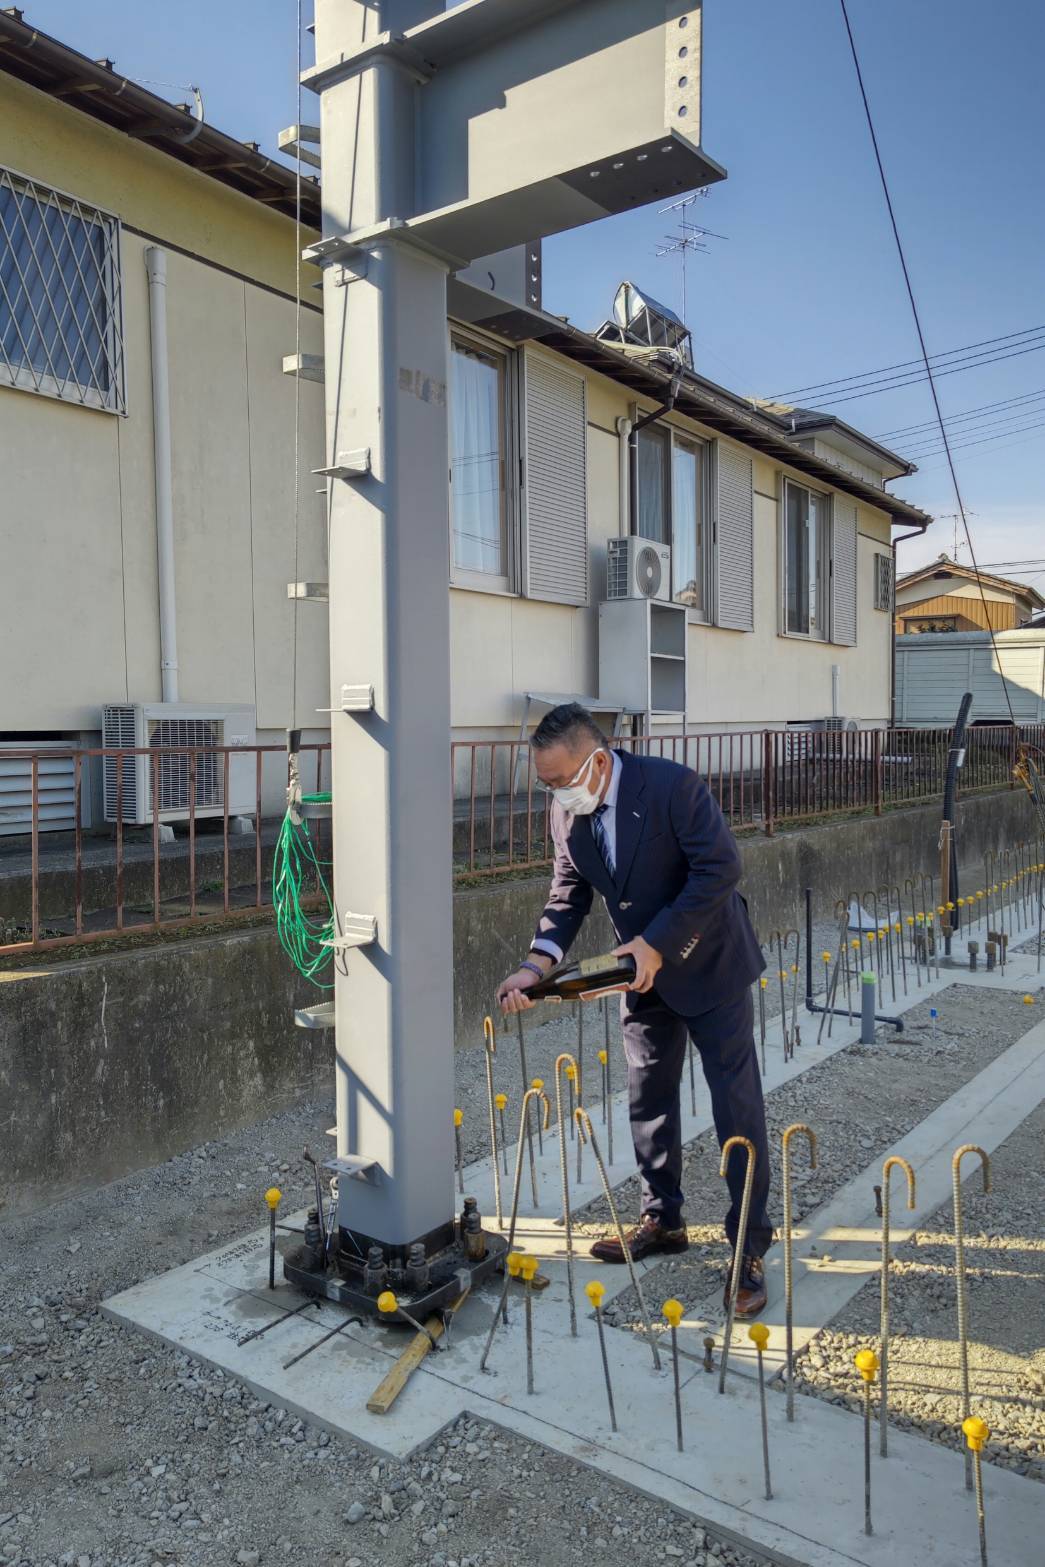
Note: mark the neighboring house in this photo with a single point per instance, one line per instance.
(946, 596)
(780, 532)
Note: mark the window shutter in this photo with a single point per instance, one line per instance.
(843, 571)
(734, 539)
(555, 482)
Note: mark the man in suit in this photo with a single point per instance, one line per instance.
(646, 834)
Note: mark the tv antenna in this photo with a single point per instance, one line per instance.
(691, 235)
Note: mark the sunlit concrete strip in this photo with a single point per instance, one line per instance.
(923, 1517)
(838, 1248)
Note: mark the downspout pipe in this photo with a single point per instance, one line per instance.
(156, 270)
(915, 533)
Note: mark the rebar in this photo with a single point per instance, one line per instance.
(323, 1339)
(458, 1154)
(566, 1061)
(272, 1198)
(525, 1085)
(672, 1310)
(977, 1434)
(512, 1264)
(284, 1317)
(690, 1055)
(794, 988)
(587, 1131)
(524, 1126)
(595, 1291)
(738, 1248)
(609, 1080)
(758, 1333)
(959, 1270)
(490, 1050)
(785, 1157)
(307, 1156)
(779, 935)
(867, 1365)
(894, 1162)
(502, 1104)
(528, 1268)
(762, 1020)
(580, 1081)
(538, 1083)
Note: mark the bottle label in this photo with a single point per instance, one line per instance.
(589, 966)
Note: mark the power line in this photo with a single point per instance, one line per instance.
(966, 413)
(976, 362)
(925, 353)
(957, 446)
(907, 364)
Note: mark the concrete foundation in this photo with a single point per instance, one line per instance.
(923, 1517)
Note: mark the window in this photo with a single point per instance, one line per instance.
(806, 557)
(883, 582)
(672, 506)
(478, 461)
(932, 623)
(60, 312)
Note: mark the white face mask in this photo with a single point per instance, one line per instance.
(576, 797)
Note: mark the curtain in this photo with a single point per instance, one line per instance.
(687, 564)
(476, 496)
(652, 520)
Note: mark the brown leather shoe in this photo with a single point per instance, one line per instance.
(648, 1237)
(751, 1291)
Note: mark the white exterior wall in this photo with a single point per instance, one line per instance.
(78, 508)
(504, 645)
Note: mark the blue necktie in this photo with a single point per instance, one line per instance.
(601, 836)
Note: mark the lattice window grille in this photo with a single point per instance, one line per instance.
(61, 315)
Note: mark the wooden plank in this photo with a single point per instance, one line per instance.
(390, 1387)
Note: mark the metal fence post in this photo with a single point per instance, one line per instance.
(878, 770)
(768, 781)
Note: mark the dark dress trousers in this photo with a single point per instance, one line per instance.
(675, 884)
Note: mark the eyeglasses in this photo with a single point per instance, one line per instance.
(550, 788)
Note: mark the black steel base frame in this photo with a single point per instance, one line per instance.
(341, 1280)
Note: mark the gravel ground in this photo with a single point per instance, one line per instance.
(859, 1103)
(1005, 1268)
(117, 1452)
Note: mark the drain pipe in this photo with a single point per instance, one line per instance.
(156, 269)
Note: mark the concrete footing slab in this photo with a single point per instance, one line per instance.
(923, 1516)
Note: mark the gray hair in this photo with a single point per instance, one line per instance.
(568, 724)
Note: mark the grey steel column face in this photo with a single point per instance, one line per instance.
(389, 626)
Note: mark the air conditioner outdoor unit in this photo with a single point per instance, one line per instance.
(638, 569)
(161, 725)
(838, 726)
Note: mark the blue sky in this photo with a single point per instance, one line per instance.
(806, 287)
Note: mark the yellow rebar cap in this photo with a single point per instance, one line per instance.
(1028, 1001)
(528, 1268)
(571, 1071)
(273, 1197)
(458, 1117)
(604, 1056)
(386, 1301)
(514, 1263)
(537, 1083)
(866, 1362)
(758, 1333)
(763, 983)
(672, 1310)
(595, 1291)
(826, 956)
(977, 1432)
(500, 1100)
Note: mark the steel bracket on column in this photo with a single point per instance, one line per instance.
(354, 1166)
(348, 465)
(356, 930)
(321, 1016)
(313, 592)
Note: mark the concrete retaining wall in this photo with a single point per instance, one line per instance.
(120, 1061)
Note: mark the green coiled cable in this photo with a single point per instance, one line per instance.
(295, 865)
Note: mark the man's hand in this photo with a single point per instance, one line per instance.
(511, 993)
(648, 963)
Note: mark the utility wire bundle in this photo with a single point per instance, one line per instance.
(304, 937)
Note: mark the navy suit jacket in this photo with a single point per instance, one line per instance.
(675, 884)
